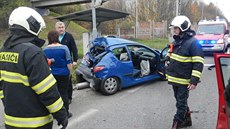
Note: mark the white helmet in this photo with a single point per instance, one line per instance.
(182, 22)
(28, 18)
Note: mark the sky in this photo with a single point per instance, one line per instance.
(224, 6)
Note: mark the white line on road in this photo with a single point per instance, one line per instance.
(133, 90)
(129, 92)
(82, 117)
(207, 65)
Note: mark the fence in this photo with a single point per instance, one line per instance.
(145, 30)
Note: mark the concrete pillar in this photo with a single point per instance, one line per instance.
(86, 44)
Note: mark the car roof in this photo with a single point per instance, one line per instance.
(111, 41)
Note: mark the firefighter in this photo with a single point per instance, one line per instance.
(27, 87)
(184, 68)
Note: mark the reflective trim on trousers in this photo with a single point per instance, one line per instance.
(33, 122)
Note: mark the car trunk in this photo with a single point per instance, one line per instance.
(95, 54)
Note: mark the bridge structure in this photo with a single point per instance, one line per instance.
(53, 3)
(95, 15)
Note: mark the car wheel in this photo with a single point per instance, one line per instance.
(109, 86)
(79, 78)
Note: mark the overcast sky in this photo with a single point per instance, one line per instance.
(224, 6)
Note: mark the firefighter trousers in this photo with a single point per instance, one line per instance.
(181, 94)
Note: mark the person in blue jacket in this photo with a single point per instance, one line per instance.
(62, 66)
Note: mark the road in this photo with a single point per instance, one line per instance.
(147, 106)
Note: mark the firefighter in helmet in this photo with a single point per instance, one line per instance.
(27, 87)
(184, 68)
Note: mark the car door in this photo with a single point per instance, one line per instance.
(222, 64)
(124, 65)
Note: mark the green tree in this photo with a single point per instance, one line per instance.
(7, 6)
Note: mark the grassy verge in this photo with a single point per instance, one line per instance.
(80, 55)
(156, 43)
(73, 28)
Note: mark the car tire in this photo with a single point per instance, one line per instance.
(109, 86)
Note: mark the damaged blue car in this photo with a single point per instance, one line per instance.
(114, 63)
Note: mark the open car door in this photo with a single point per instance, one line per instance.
(222, 64)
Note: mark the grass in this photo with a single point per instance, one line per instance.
(73, 28)
(80, 55)
(156, 43)
(3, 36)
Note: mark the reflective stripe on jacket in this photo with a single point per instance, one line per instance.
(28, 88)
(185, 62)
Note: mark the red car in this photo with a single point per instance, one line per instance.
(222, 64)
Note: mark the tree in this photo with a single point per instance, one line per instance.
(146, 10)
(196, 12)
(7, 6)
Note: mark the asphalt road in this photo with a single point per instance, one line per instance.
(147, 106)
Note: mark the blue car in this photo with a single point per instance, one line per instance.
(115, 63)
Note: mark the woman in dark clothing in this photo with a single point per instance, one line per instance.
(62, 66)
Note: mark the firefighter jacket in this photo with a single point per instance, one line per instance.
(27, 87)
(185, 60)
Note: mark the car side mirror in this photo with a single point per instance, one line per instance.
(164, 52)
(226, 32)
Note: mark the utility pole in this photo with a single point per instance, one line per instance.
(94, 34)
(216, 9)
(178, 7)
(136, 13)
(202, 11)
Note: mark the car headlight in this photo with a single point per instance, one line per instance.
(220, 41)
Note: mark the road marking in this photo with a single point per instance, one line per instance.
(207, 65)
(82, 117)
(133, 90)
(129, 92)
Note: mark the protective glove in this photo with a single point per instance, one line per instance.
(64, 123)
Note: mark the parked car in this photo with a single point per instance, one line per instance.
(114, 63)
(222, 65)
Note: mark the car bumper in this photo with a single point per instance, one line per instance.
(86, 73)
(213, 48)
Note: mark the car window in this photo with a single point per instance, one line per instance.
(121, 54)
(141, 50)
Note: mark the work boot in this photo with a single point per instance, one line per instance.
(176, 124)
(70, 115)
(70, 101)
(188, 120)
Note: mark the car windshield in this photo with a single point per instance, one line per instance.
(211, 29)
